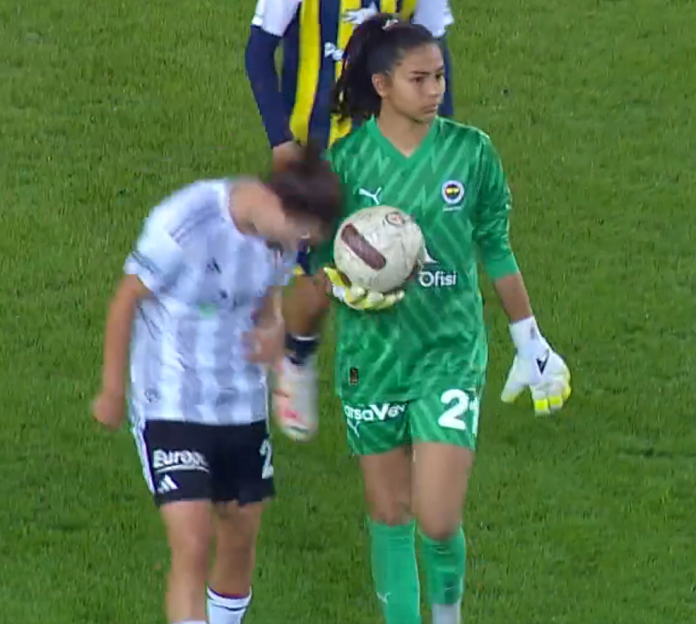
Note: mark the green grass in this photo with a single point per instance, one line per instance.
(586, 518)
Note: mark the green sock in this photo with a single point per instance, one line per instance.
(445, 565)
(395, 572)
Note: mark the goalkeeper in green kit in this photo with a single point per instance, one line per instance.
(411, 365)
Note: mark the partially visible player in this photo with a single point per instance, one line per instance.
(297, 106)
(411, 375)
(314, 33)
(198, 311)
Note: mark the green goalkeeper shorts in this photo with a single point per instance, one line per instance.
(448, 417)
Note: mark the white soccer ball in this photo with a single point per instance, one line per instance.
(378, 248)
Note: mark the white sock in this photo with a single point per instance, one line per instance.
(193, 622)
(447, 614)
(226, 610)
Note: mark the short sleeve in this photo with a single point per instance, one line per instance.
(274, 16)
(492, 216)
(157, 259)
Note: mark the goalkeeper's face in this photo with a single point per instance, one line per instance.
(415, 86)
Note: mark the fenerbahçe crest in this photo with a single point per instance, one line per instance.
(453, 194)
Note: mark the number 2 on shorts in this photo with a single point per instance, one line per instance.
(460, 404)
(266, 451)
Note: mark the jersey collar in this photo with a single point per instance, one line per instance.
(421, 151)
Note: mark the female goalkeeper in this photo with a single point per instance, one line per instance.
(410, 368)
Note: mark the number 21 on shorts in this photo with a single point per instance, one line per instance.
(462, 411)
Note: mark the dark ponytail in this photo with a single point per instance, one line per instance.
(375, 47)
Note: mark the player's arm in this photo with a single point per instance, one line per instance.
(492, 236)
(436, 16)
(152, 266)
(271, 315)
(271, 20)
(271, 311)
(267, 340)
(307, 303)
(536, 366)
(117, 334)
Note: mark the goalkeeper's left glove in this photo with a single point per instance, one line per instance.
(537, 367)
(359, 298)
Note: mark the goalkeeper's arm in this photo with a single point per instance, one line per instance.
(515, 302)
(305, 307)
(535, 366)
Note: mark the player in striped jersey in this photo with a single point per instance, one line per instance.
(199, 309)
(411, 375)
(314, 34)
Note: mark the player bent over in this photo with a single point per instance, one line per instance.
(199, 311)
(411, 366)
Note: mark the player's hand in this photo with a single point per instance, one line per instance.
(284, 154)
(538, 368)
(359, 298)
(109, 409)
(547, 378)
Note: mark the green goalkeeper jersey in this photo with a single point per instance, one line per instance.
(455, 188)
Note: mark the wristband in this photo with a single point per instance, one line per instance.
(527, 338)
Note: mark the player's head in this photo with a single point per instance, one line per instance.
(390, 67)
(306, 200)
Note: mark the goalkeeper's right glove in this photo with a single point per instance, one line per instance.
(359, 298)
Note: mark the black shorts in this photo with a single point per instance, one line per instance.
(220, 463)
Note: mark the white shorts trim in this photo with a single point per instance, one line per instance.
(138, 430)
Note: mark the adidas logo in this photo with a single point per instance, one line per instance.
(166, 485)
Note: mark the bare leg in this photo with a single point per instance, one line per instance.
(189, 531)
(229, 587)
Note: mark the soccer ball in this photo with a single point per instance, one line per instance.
(379, 248)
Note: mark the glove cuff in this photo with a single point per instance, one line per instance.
(528, 339)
